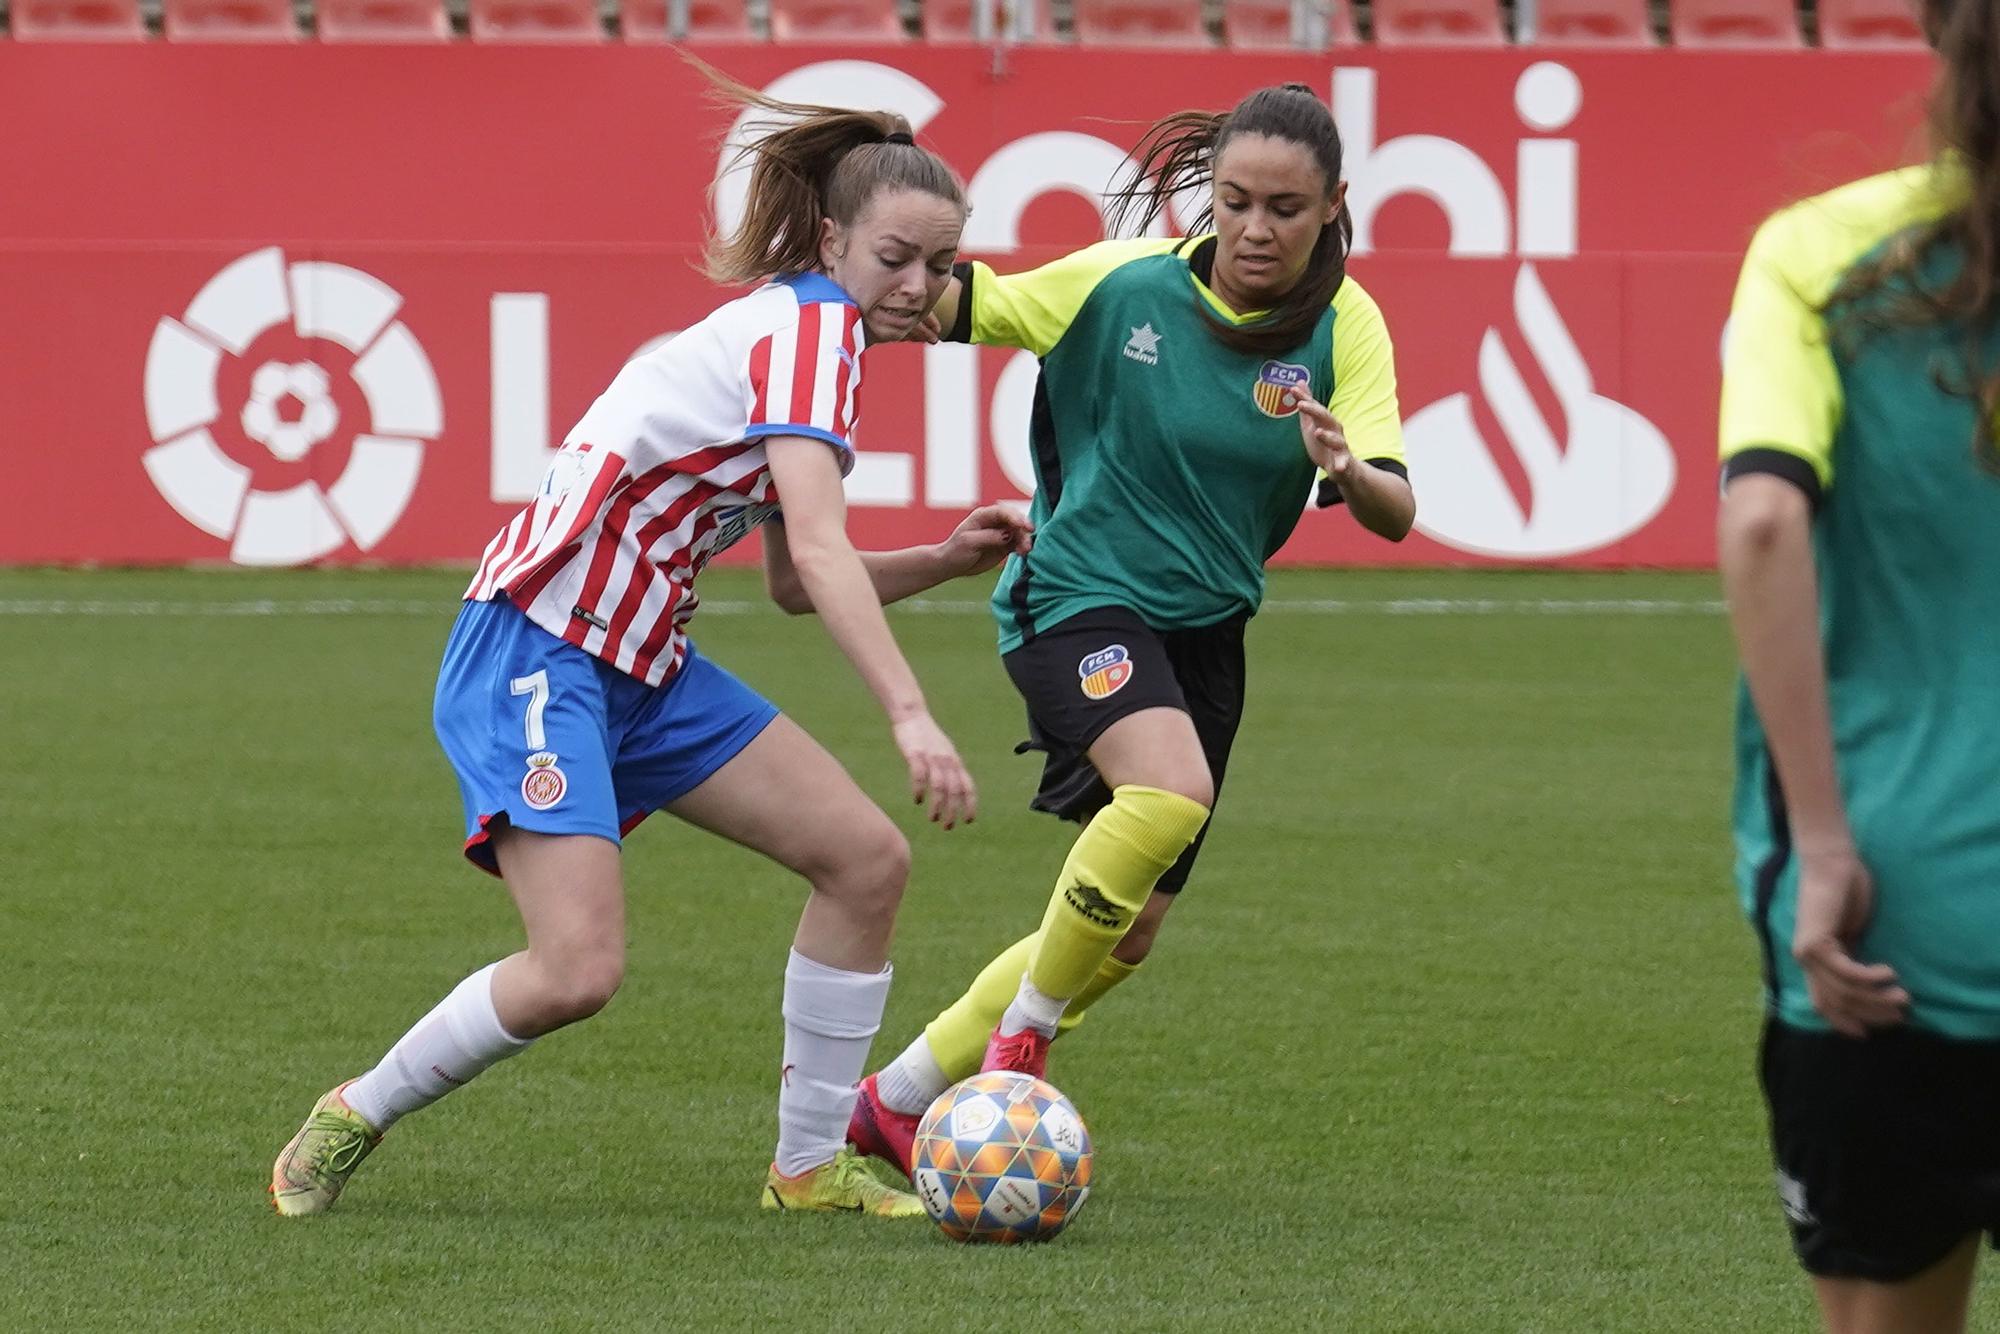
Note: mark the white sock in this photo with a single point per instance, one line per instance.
(831, 1016)
(447, 1047)
(1034, 1009)
(912, 1082)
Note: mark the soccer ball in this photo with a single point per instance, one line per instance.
(1002, 1157)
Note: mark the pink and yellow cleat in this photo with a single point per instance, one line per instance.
(842, 1186)
(309, 1174)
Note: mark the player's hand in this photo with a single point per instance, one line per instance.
(1325, 441)
(925, 330)
(986, 537)
(937, 776)
(1836, 899)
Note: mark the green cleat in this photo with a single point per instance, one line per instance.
(309, 1174)
(844, 1185)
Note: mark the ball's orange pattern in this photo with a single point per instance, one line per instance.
(1002, 1157)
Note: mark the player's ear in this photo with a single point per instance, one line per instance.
(832, 243)
(1334, 205)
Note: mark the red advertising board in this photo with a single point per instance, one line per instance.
(288, 304)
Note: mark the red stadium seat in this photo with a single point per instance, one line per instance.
(1287, 25)
(1739, 23)
(383, 21)
(78, 20)
(1014, 21)
(1438, 23)
(1592, 23)
(535, 21)
(836, 21)
(1140, 23)
(707, 21)
(229, 21)
(1850, 23)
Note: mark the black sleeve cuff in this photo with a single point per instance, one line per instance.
(961, 328)
(1329, 493)
(1774, 463)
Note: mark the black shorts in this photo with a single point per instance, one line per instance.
(1081, 675)
(1887, 1149)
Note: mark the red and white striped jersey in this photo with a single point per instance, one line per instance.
(667, 468)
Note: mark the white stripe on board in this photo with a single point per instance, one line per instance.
(924, 606)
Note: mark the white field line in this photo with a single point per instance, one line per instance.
(93, 607)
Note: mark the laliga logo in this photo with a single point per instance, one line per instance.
(1604, 471)
(246, 300)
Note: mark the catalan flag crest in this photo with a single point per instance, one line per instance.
(1105, 672)
(1273, 379)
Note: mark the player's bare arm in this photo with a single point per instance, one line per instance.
(1765, 550)
(1380, 501)
(981, 541)
(836, 582)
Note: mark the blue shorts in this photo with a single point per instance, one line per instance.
(546, 737)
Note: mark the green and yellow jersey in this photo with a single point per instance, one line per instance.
(1907, 544)
(1168, 468)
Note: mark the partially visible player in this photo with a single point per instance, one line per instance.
(1177, 428)
(1860, 552)
(572, 704)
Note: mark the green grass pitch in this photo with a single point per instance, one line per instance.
(1452, 1032)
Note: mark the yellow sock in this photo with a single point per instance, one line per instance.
(957, 1037)
(1114, 971)
(1129, 845)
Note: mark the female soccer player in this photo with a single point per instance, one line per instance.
(1857, 538)
(572, 704)
(1179, 377)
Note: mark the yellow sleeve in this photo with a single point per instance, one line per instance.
(1364, 377)
(1033, 310)
(1779, 387)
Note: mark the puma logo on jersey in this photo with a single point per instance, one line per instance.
(1144, 345)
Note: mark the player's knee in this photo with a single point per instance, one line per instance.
(583, 983)
(882, 866)
(1189, 779)
(869, 869)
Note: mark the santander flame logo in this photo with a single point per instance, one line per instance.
(1495, 473)
(1596, 474)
